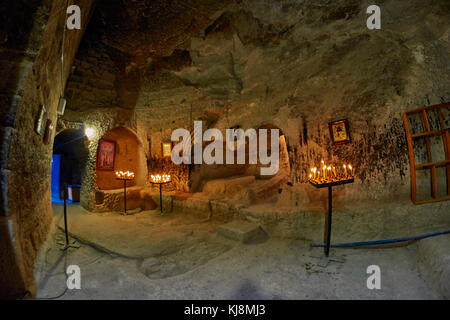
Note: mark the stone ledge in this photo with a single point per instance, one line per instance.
(137, 197)
(241, 231)
(352, 222)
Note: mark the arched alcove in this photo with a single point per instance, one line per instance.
(128, 155)
(202, 174)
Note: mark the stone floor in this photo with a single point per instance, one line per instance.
(148, 256)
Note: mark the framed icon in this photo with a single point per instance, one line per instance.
(166, 149)
(48, 133)
(40, 121)
(339, 131)
(106, 153)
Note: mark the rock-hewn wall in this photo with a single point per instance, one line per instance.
(297, 65)
(31, 52)
(18, 51)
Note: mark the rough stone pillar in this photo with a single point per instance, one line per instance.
(30, 54)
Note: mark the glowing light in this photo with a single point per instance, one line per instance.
(331, 173)
(89, 132)
(129, 175)
(160, 178)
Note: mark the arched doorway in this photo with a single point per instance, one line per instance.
(127, 155)
(68, 163)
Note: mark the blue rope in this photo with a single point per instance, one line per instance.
(378, 242)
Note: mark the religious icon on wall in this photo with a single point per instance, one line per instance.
(339, 131)
(166, 148)
(40, 121)
(48, 131)
(105, 154)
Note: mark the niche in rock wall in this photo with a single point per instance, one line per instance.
(128, 156)
(283, 157)
(203, 173)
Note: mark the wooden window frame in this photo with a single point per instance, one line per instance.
(445, 133)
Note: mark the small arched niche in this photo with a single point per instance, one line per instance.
(128, 156)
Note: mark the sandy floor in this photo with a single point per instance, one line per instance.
(147, 256)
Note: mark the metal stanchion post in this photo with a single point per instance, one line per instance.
(67, 243)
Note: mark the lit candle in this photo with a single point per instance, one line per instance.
(329, 173)
(160, 178)
(125, 175)
(345, 170)
(351, 170)
(324, 173)
(334, 172)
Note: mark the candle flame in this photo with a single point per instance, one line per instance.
(125, 174)
(327, 173)
(158, 178)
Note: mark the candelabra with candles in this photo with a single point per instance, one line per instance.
(125, 176)
(160, 179)
(329, 176)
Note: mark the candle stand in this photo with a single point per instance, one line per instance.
(67, 244)
(328, 217)
(125, 192)
(160, 191)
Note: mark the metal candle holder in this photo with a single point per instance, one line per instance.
(125, 192)
(160, 191)
(67, 243)
(329, 184)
